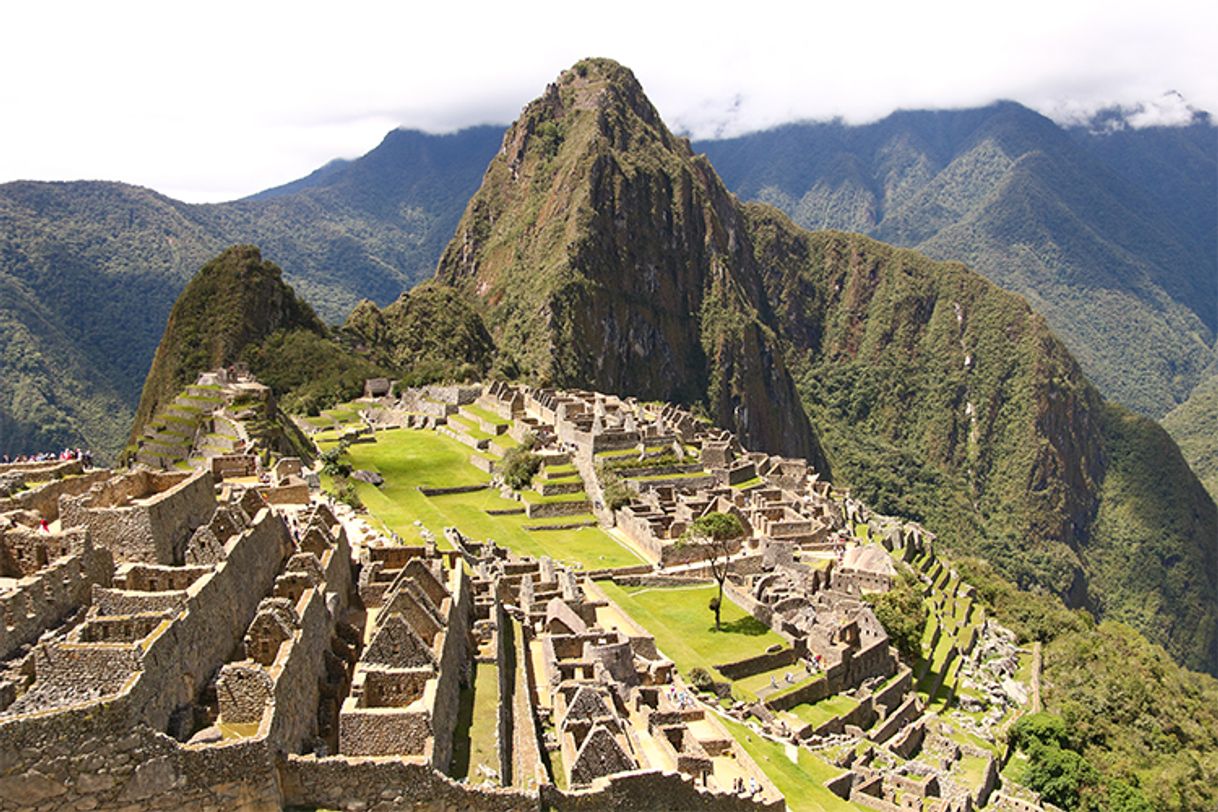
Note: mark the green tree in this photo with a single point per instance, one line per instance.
(902, 613)
(518, 467)
(716, 534)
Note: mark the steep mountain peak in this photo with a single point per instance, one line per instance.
(604, 254)
(235, 300)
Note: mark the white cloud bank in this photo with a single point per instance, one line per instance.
(218, 100)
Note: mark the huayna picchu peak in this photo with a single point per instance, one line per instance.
(604, 254)
(648, 499)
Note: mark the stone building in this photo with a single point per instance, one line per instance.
(143, 515)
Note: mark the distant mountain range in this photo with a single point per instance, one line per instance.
(89, 270)
(1108, 231)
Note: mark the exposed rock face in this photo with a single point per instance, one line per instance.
(604, 254)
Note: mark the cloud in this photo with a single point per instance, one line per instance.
(222, 100)
(1169, 110)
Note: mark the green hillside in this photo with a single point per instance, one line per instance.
(89, 270)
(1194, 426)
(237, 308)
(943, 398)
(1109, 233)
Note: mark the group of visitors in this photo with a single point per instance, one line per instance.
(740, 786)
(680, 698)
(50, 456)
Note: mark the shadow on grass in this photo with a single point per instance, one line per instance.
(747, 625)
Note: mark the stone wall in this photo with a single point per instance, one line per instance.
(903, 715)
(505, 656)
(44, 499)
(156, 528)
(95, 757)
(651, 790)
(759, 663)
(129, 602)
(111, 753)
(42, 600)
(546, 510)
(400, 783)
(244, 692)
(891, 695)
(297, 690)
(453, 667)
(219, 608)
(383, 731)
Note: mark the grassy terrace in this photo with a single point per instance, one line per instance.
(464, 424)
(486, 415)
(818, 713)
(802, 781)
(684, 627)
(408, 458)
(533, 497)
(651, 477)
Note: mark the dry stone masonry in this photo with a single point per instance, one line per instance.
(207, 630)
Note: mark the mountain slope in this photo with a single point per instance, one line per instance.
(1194, 426)
(1092, 229)
(235, 300)
(602, 253)
(91, 270)
(944, 398)
(605, 254)
(237, 308)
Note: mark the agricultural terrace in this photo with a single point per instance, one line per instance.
(409, 458)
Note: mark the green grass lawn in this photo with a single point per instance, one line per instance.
(408, 458)
(486, 414)
(801, 782)
(817, 713)
(684, 628)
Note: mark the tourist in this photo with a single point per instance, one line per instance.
(43, 526)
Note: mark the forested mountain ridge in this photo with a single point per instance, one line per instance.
(89, 270)
(603, 253)
(1107, 231)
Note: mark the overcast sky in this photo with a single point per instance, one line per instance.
(213, 101)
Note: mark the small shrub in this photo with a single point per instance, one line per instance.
(701, 679)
